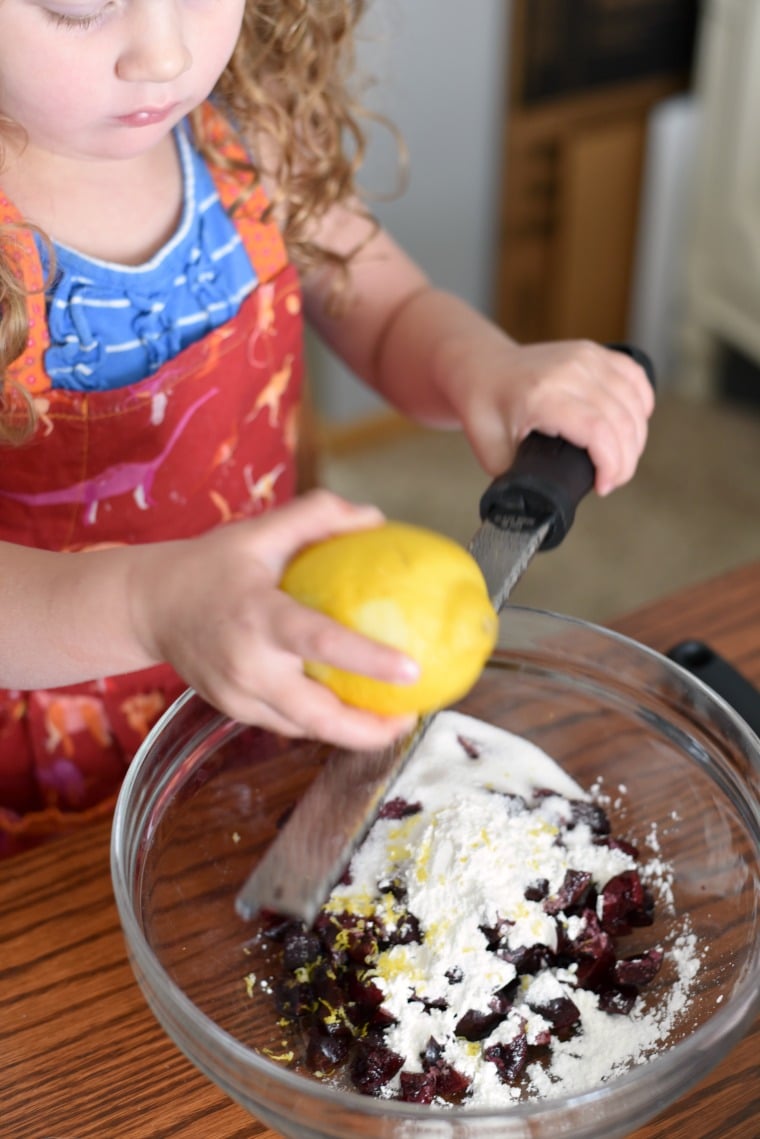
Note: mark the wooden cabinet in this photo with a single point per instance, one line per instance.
(574, 151)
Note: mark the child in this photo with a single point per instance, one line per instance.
(176, 190)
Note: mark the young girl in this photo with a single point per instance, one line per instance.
(176, 193)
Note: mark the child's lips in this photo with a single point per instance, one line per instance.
(146, 116)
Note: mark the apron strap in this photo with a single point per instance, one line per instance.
(28, 370)
(262, 238)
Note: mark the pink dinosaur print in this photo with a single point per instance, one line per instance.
(122, 478)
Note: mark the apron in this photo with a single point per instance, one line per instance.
(209, 438)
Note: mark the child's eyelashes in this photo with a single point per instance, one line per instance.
(80, 21)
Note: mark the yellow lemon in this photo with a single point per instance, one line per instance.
(410, 588)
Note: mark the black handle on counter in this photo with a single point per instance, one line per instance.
(549, 476)
(715, 671)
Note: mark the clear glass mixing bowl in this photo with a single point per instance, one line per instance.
(205, 795)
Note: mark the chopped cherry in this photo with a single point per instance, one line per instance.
(393, 886)
(295, 999)
(510, 1059)
(622, 898)
(381, 1018)
(439, 1003)
(595, 973)
(363, 992)
(619, 999)
(639, 970)
(617, 844)
(592, 948)
(300, 947)
(406, 931)
(324, 1053)
(527, 959)
(373, 1067)
(432, 1055)
(497, 935)
(572, 894)
(475, 1025)
(591, 814)
(398, 809)
(450, 1084)
(536, 891)
(418, 1087)
(561, 1013)
(501, 1001)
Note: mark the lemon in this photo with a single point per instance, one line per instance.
(410, 588)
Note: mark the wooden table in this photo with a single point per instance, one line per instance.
(81, 1056)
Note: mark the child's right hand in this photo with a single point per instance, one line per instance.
(211, 607)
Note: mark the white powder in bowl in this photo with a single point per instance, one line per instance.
(488, 895)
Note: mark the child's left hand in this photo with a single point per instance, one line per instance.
(592, 396)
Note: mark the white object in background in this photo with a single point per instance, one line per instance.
(441, 78)
(658, 288)
(723, 268)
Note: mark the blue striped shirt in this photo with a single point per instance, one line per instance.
(112, 325)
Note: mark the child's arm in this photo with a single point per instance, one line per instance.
(209, 606)
(437, 360)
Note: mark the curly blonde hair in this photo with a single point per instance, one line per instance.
(288, 84)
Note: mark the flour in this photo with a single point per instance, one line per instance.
(482, 863)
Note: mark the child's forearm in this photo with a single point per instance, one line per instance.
(66, 617)
(209, 606)
(439, 361)
(429, 356)
(396, 332)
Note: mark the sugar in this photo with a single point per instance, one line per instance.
(467, 862)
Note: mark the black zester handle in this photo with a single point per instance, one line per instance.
(548, 477)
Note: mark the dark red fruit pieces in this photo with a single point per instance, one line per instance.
(510, 1059)
(373, 1066)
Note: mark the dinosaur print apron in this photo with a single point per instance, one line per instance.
(209, 438)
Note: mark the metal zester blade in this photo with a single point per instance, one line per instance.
(530, 507)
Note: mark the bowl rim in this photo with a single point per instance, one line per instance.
(729, 1021)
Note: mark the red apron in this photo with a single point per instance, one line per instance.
(209, 438)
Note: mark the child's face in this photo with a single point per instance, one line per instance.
(104, 79)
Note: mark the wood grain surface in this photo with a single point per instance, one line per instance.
(81, 1056)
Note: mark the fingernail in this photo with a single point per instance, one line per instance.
(409, 671)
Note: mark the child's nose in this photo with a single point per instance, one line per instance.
(156, 51)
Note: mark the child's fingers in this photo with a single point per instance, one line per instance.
(312, 710)
(290, 703)
(310, 518)
(310, 635)
(636, 380)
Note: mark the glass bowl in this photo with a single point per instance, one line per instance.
(205, 795)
